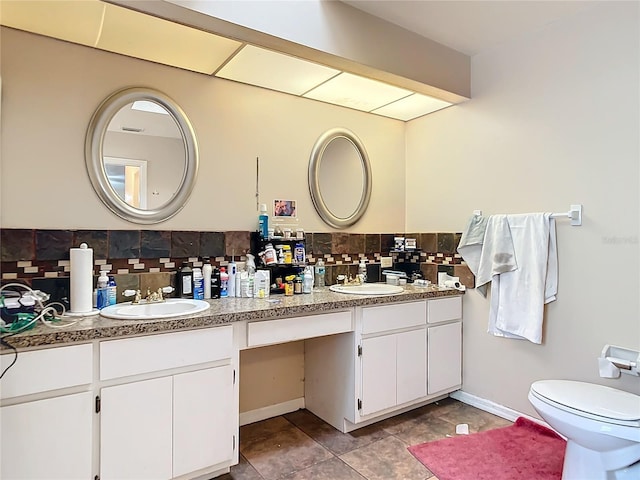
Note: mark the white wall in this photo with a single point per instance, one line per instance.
(52, 88)
(553, 120)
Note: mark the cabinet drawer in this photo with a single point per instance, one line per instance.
(44, 370)
(444, 310)
(270, 332)
(393, 317)
(132, 356)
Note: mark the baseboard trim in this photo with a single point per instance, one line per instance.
(492, 407)
(271, 411)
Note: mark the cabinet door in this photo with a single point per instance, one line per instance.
(412, 365)
(445, 357)
(203, 425)
(135, 431)
(378, 374)
(47, 439)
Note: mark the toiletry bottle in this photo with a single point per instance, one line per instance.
(263, 222)
(299, 255)
(207, 270)
(297, 284)
(113, 291)
(198, 284)
(307, 281)
(319, 270)
(103, 290)
(232, 271)
(215, 283)
(185, 281)
(224, 282)
(362, 271)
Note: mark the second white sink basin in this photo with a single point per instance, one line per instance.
(367, 289)
(172, 307)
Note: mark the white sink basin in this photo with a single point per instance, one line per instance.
(172, 307)
(367, 289)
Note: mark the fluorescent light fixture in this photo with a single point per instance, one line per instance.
(147, 106)
(276, 71)
(70, 20)
(357, 92)
(412, 107)
(150, 38)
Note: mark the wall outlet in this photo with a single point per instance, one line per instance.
(386, 262)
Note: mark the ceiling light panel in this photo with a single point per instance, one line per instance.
(276, 71)
(356, 92)
(412, 107)
(143, 36)
(73, 21)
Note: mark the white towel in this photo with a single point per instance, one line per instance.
(518, 297)
(487, 248)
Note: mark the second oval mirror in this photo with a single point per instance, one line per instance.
(339, 177)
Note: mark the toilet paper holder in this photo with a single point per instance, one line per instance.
(615, 360)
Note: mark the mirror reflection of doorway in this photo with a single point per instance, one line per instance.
(128, 178)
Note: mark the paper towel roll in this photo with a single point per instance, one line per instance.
(81, 264)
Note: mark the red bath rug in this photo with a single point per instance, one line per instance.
(524, 450)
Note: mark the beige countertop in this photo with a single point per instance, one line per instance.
(222, 311)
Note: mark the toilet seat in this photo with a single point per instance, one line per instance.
(589, 400)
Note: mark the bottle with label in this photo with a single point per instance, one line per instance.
(319, 271)
(362, 271)
(263, 222)
(103, 290)
(232, 271)
(215, 283)
(185, 281)
(299, 255)
(207, 270)
(198, 284)
(286, 252)
(112, 290)
(224, 282)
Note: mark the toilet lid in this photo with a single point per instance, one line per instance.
(595, 399)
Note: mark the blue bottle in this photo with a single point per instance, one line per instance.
(112, 290)
(263, 222)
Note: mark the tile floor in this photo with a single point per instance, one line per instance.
(300, 446)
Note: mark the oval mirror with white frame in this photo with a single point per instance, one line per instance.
(141, 155)
(339, 177)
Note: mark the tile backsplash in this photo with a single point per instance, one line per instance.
(150, 258)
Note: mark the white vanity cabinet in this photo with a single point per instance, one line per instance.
(399, 356)
(167, 405)
(46, 414)
(444, 364)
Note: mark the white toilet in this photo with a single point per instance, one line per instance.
(601, 425)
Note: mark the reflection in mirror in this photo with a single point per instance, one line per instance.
(141, 155)
(339, 178)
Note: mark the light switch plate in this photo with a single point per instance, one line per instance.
(386, 262)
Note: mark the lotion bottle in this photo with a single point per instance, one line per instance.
(103, 290)
(232, 271)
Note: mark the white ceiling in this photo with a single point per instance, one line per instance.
(471, 26)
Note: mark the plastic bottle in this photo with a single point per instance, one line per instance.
(215, 283)
(198, 284)
(113, 290)
(185, 281)
(299, 255)
(224, 282)
(362, 271)
(207, 270)
(319, 270)
(307, 281)
(263, 222)
(232, 271)
(103, 290)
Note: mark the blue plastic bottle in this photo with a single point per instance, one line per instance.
(263, 222)
(112, 290)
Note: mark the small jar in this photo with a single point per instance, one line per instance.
(270, 255)
(286, 232)
(297, 285)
